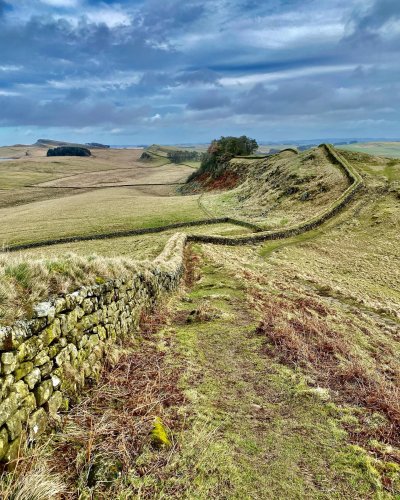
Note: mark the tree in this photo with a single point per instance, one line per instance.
(69, 151)
(221, 151)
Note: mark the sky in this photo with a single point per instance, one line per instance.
(173, 71)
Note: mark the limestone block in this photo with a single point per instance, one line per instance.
(20, 389)
(22, 370)
(28, 405)
(60, 305)
(54, 403)
(14, 425)
(46, 369)
(33, 377)
(41, 358)
(68, 321)
(56, 381)
(62, 357)
(51, 333)
(88, 306)
(13, 450)
(37, 324)
(8, 407)
(11, 337)
(28, 350)
(5, 385)
(45, 310)
(43, 392)
(37, 423)
(3, 442)
(54, 349)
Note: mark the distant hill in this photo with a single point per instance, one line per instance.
(49, 143)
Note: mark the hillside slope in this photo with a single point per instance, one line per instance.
(283, 189)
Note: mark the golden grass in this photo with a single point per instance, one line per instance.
(24, 282)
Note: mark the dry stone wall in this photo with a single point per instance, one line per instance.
(46, 360)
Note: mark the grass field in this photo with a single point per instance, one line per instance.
(387, 149)
(282, 358)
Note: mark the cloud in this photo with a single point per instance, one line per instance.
(61, 3)
(198, 69)
(209, 100)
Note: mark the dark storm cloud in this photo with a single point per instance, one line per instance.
(173, 65)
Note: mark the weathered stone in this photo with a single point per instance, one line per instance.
(21, 389)
(41, 358)
(3, 442)
(37, 423)
(54, 403)
(13, 450)
(45, 309)
(55, 381)
(22, 370)
(68, 321)
(54, 349)
(63, 357)
(6, 383)
(37, 324)
(46, 369)
(51, 333)
(60, 305)
(8, 358)
(33, 377)
(11, 337)
(8, 407)
(79, 312)
(28, 405)
(28, 350)
(14, 425)
(43, 392)
(87, 306)
(102, 333)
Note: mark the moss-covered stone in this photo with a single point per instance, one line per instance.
(8, 407)
(29, 349)
(43, 392)
(46, 369)
(37, 423)
(14, 425)
(4, 445)
(8, 362)
(54, 403)
(51, 333)
(23, 369)
(41, 358)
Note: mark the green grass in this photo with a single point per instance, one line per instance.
(386, 149)
(256, 429)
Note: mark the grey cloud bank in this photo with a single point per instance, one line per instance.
(86, 70)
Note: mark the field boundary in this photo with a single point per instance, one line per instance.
(352, 175)
(47, 359)
(356, 184)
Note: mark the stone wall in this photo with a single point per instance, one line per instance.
(46, 360)
(355, 184)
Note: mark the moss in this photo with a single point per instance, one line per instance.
(159, 436)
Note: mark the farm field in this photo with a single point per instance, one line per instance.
(387, 149)
(277, 364)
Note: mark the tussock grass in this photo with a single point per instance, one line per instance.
(25, 281)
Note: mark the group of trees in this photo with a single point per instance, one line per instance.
(221, 151)
(180, 156)
(69, 151)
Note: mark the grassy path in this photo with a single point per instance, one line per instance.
(242, 426)
(254, 429)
